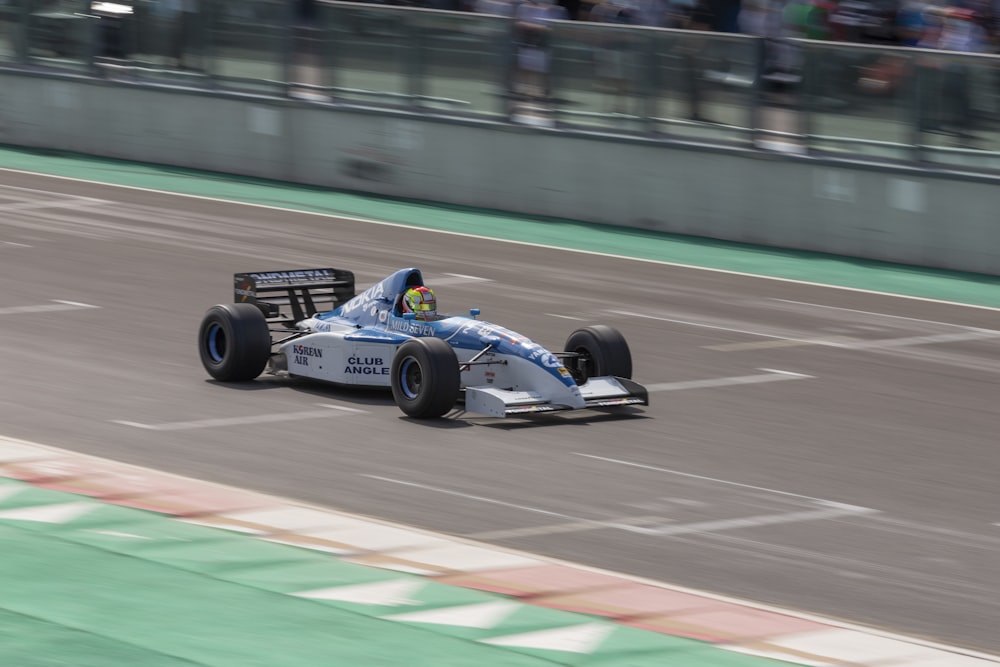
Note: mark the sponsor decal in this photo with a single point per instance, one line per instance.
(271, 277)
(412, 327)
(530, 408)
(365, 300)
(366, 366)
(302, 353)
(540, 355)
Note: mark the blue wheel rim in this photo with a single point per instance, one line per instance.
(215, 340)
(409, 378)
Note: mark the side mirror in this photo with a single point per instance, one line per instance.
(474, 312)
(409, 316)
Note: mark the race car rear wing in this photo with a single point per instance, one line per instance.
(290, 296)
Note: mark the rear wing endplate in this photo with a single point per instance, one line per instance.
(294, 295)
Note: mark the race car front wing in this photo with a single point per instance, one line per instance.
(598, 392)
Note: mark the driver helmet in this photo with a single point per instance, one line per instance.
(420, 301)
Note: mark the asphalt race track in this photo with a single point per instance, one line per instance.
(827, 450)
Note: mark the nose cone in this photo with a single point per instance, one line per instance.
(575, 398)
(564, 390)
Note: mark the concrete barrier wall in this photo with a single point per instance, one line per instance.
(900, 215)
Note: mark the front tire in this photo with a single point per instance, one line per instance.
(598, 350)
(234, 342)
(425, 378)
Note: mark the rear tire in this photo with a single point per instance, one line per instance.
(425, 378)
(234, 342)
(598, 350)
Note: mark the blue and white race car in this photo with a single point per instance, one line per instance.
(310, 323)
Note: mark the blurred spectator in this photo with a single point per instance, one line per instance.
(495, 7)
(178, 19)
(573, 8)
(114, 21)
(691, 52)
(654, 13)
(501, 8)
(960, 32)
(306, 50)
(677, 13)
(702, 16)
(533, 42)
(614, 53)
(306, 13)
(911, 23)
(800, 19)
(760, 18)
(948, 108)
(724, 15)
(864, 21)
(765, 18)
(993, 27)
(809, 19)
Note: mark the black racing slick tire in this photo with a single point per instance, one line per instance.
(426, 380)
(596, 351)
(234, 342)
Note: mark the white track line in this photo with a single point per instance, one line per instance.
(833, 511)
(504, 503)
(715, 480)
(701, 325)
(914, 340)
(460, 279)
(769, 376)
(45, 205)
(972, 333)
(240, 421)
(57, 305)
(868, 312)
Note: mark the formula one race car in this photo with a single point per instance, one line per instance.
(309, 323)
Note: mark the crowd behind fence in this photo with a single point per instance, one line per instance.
(862, 94)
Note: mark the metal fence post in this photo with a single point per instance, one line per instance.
(757, 92)
(915, 109)
(648, 83)
(414, 68)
